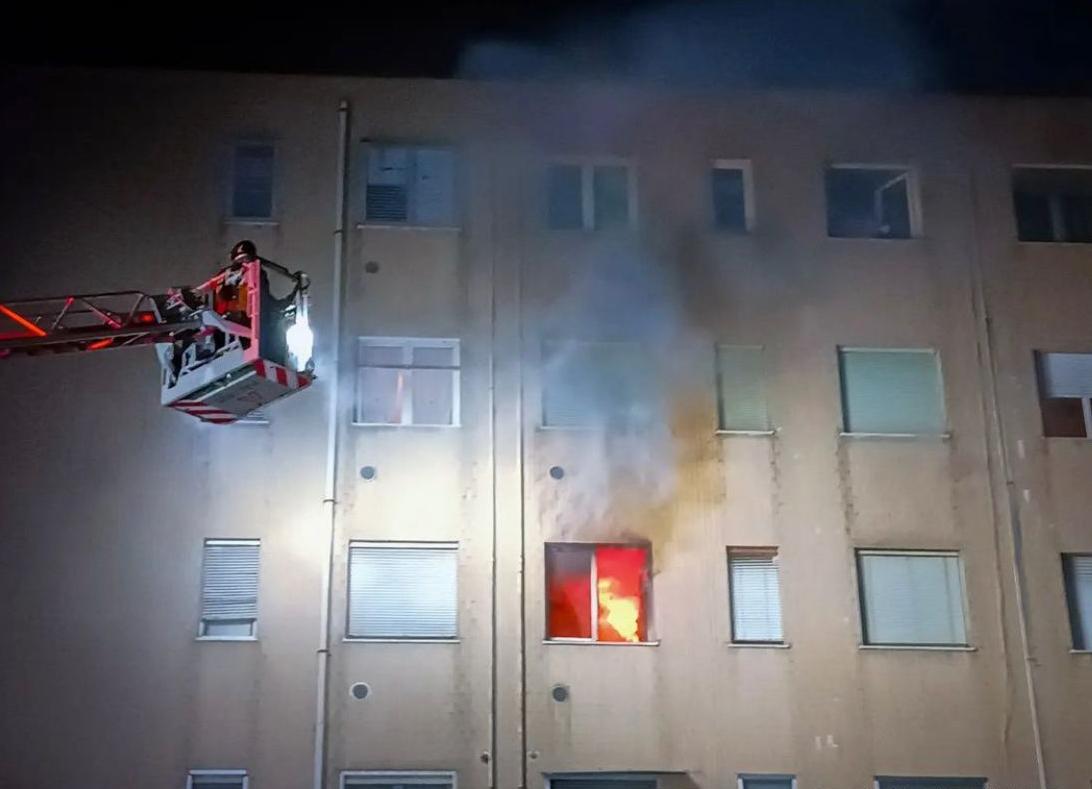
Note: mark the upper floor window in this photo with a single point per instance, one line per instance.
(741, 390)
(229, 589)
(761, 781)
(595, 195)
(407, 381)
(912, 598)
(1065, 393)
(595, 384)
(410, 186)
(754, 595)
(403, 590)
(398, 779)
(871, 201)
(252, 181)
(733, 201)
(217, 779)
(891, 391)
(1077, 569)
(1053, 203)
(597, 592)
(916, 782)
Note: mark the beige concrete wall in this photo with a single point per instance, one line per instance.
(116, 181)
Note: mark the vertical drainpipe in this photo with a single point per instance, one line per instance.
(984, 329)
(329, 495)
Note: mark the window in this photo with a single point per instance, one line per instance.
(741, 391)
(912, 598)
(767, 782)
(229, 589)
(590, 196)
(410, 186)
(865, 201)
(755, 596)
(888, 782)
(586, 384)
(402, 590)
(732, 200)
(1065, 393)
(603, 781)
(1078, 587)
(252, 182)
(398, 779)
(1053, 203)
(407, 381)
(891, 391)
(217, 779)
(597, 592)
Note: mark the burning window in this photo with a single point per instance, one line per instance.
(597, 592)
(1053, 203)
(1065, 393)
(870, 202)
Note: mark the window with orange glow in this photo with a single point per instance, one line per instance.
(597, 592)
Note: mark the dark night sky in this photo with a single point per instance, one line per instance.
(998, 46)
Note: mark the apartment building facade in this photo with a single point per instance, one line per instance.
(659, 440)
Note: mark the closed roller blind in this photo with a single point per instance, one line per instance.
(912, 599)
(756, 597)
(891, 392)
(741, 389)
(402, 592)
(1066, 374)
(1078, 572)
(229, 584)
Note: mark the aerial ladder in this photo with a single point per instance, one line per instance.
(226, 347)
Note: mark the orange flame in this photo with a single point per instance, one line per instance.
(618, 613)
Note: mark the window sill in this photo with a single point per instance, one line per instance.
(916, 648)
(352, 640)
(898, 436)
(388, 426)
(758, 644)
(759, 433)
(1073, 439)
(1023, 242)
(407, 226)
(587, 642)
(226, 638)
(1080, 651)
(253, 222)
(883, 239)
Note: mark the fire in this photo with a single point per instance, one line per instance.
(619, 616)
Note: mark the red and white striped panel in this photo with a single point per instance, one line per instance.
(205, 413)
(282, 375)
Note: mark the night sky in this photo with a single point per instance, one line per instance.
(998, 46)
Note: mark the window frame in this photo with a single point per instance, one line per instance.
(941, 782)
(764, 551)
(548, 346)
(407, 345)
(611, 776)
(409, 777)
(447, 545)
(201, 621)
(360, 192)
(942, 394)
(867, 643)
(743, 778)
(233, 218)
(1055, 218)
(593, 600)
(1038, 355)
(747, 168)
(587, 165)
(1071, 604)
(227, 774)
(913, 198)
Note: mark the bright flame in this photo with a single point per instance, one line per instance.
(618, 613)
(301, 340)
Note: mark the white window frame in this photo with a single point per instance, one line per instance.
(742, 778)
(228, 774)
(446, 545)
(274, 207)
(964, 602)
(746, 167)
(361, 185)
(945, 433)
(913, 196)
(1057, 221)
(201, 636)
(587, 165)
(593, 602)
(408, 344)
(407, 777)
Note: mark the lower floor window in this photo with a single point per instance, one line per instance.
(910, 782)
(765, 781)
(217, 779)
(398, 779)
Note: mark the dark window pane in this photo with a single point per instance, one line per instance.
(1077, 217)
(611, 189)
(252, 192)
(386, 203)
(1063, 417)
(569, 593)
(729, 200)
(1033, 217)
(867, 203)
(565, 203)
